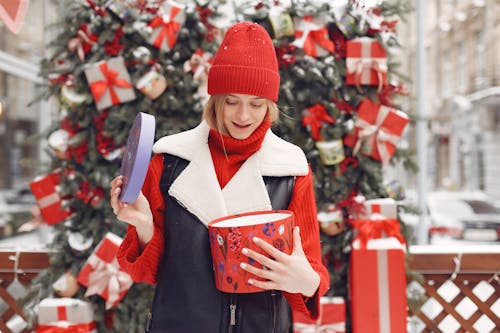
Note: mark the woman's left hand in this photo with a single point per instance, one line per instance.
(291, 273)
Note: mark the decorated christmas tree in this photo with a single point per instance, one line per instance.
(113, 59)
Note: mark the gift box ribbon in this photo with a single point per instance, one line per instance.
(80, 328)
(199, 64)
(49, 200)
(361, 67)
(374, 229)
(107, 277)
(111, 80)
(168, 28)
(316, 328)
(82, 43)
(317, 115)
(377, 133)
(313, 38)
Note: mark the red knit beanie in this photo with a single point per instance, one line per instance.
(245, 63)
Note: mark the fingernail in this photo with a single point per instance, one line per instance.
(243, 265)
(250, 281)
(256, 239)
(244, 251)
(117, 190)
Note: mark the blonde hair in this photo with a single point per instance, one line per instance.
(215, 104)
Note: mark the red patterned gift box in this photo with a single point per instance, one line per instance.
(65, 315)
(331, 318)
(101, 273)
(230, 234)
(366, 62)
(166, 25)
(377, 130)
(109, 83)
(45, 190)
(377, 285)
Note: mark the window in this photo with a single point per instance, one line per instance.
(461, 68)
(447, 74)
(480, 52)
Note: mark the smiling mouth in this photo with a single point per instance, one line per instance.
(242, 126)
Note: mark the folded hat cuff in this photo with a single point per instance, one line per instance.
(257, 81)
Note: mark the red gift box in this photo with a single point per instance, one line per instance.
(102, 275)
(377, 284)
(166, 25)
(366, 62)
(377, 130)
(45, 190)
(65, 315)
(331, 318)
(109, 82)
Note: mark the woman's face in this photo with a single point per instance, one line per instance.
(242, 114)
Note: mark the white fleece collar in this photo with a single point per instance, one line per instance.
(197, 187)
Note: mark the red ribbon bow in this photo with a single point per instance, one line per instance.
(168, 28)
(377, 228)
(314, 38)
(83, 42)
(98, 88)
(317, 115)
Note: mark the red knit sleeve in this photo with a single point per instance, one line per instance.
(143, 265)
(303, 205)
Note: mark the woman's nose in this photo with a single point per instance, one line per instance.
(243, 112)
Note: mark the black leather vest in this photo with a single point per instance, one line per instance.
(186, 300)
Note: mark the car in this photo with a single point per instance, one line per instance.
(465, 216)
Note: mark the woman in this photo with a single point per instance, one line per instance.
(231, 163)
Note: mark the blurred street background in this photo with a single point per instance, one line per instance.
(459, 107)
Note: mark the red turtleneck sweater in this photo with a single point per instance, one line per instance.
(228, 154)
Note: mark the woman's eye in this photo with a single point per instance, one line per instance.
(257, 105)
(229, 102)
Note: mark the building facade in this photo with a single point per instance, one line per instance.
(462, 91)
(21, 122)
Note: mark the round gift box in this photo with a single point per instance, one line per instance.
(230, 234)
(136, 156)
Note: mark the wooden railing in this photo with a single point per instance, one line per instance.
(17, 269)
(460, 288)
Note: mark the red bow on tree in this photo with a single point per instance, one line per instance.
(316, 115)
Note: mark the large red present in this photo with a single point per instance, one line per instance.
(377, 284)
(65, 315)
(109, 82)
(366, 62)
(166, 25)
(102, 275)
(377, 130)
(46, 191)
(331, 318)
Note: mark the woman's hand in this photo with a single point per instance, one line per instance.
(291, 273)
(137, 214)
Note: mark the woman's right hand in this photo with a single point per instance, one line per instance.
(137, 213)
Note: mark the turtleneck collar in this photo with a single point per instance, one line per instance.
(228, 153)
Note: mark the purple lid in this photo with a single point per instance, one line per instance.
(136, 157)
